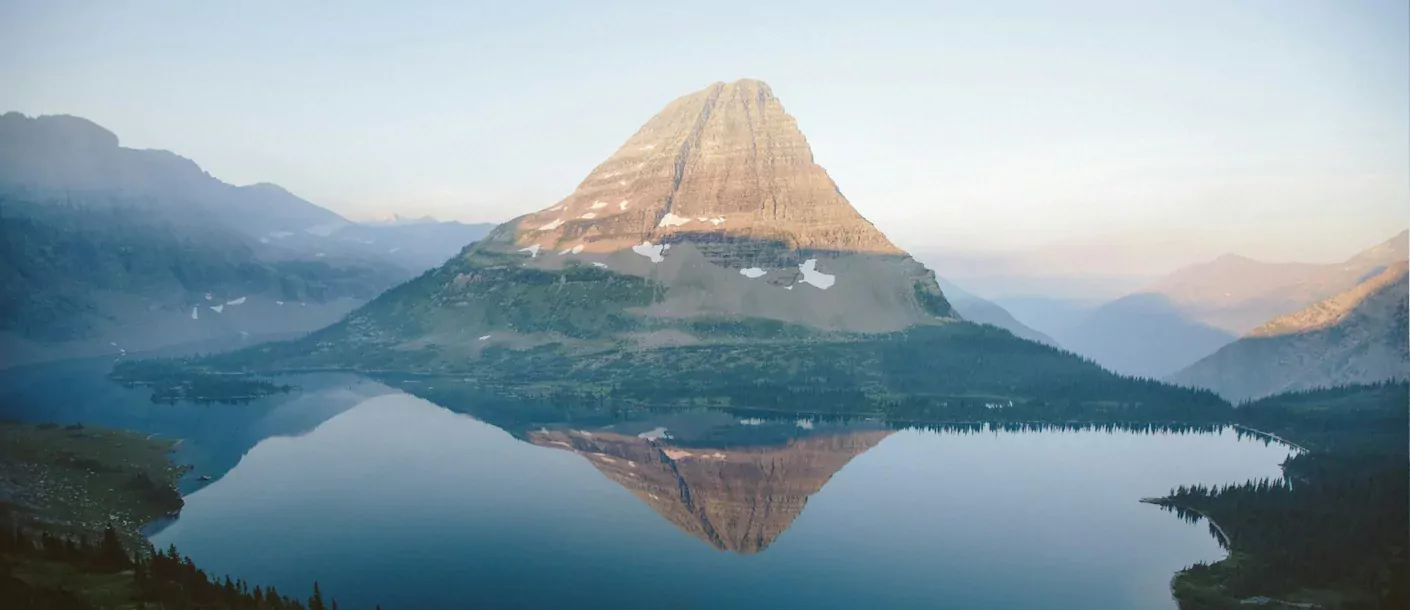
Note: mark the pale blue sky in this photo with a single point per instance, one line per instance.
(1276, 129)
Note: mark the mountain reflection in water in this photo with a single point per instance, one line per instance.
(441, 498)
(736, 498)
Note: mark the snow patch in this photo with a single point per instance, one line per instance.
(209, 296)
(753, 421)
(649, 251)
(671, 220)
(621, 183)
(806, 424)
(552, 225)
(195, 313)
(654, 434)
(279, 302)
(394, 250)
(648, 147)
(264, 240)
(578, 249)
(752, 272)
(717, 220)
(485, 338)
(702, 219)
(602, 265)
(320, 255)
(239, 301)
(788, 287)
(811, 275)
(597, 205)
(588, 216)
(217, 308)
(622, 205)
(532, 250)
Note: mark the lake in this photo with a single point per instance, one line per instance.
(387, 498)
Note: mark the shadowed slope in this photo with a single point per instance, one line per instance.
(1358, 336)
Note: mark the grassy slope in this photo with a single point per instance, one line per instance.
(75, 481)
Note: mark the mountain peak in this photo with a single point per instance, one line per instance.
(725, 161)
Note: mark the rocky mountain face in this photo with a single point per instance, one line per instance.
(108, 249)
(1191, 313)
(718, 198)
(714, 210)
(737, 498)
(1358, 336)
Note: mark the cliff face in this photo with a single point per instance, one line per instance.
(727, 160)
(737, 498)
(1357, 336)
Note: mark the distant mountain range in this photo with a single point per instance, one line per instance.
(1193, 312)
(1358, 336)
(109, 249)
(983, 311)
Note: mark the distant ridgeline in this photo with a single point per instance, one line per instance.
(106, 249)
(709, 260)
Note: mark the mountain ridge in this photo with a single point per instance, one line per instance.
(1194, 311)
(1358, 336)
(111, 250)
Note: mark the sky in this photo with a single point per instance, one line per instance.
(1150, 134)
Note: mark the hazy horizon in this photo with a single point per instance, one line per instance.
(1170, 135)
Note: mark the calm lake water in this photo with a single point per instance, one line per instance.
(385, 497)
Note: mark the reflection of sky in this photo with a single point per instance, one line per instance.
(213, 436)
(403, 503)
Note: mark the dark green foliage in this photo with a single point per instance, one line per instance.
(748, 328)
(928, 373)
(153, 579)
(1337, 520)
(171, 382)
(933, 302)
(1360, 418)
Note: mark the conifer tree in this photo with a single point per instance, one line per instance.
(316, 602)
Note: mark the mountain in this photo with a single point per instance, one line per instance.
(1194, 311)
(982, 311)
(1358, 336)
(713, 209)
(708, 259)
(108, 249)
(1237, 294)
(1146, 335)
